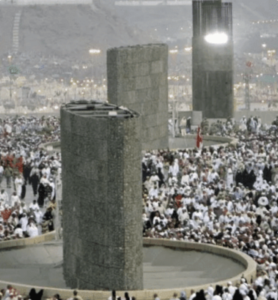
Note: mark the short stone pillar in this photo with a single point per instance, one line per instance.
(197, 117)
(102, 203)
(137, 77)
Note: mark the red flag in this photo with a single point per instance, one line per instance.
(199, 139)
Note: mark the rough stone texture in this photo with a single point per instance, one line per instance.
(212, 64)
(137, 79)
(197, 117)
(101, 202)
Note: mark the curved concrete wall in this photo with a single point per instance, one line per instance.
(28, 241)
(213, 138)
(51, 147)
(165, 294)
(189, 142)
(219, 140)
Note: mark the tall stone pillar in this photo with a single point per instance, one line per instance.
(102, 205)
(137, 77)
(212, 58)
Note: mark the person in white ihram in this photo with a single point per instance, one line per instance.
(8, 128)
(4, 196)
(18, 185)
(15, 199)
(32, 230)
(229, 178)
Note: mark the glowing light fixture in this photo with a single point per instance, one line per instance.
(94, 51)
(217, 38)
(173, 51)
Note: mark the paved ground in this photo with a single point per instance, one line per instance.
(163, 268)
(29, 192)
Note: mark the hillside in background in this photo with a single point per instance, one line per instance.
(71, 30)
(61, 35)
(66, 30)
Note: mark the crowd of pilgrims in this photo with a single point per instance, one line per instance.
(11, 293)
(24, 165)
(221, 195)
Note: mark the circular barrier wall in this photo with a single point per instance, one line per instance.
(238, 257)
(187, 142)
(247, 263)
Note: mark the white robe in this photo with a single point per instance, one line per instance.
(32, 230)
(229, 178)
(52, 184)
(5, 197)
(23, 221)
(174, 169)
(18, 186)
(15, 199)
(38, 216)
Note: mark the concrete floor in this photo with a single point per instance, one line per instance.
(41, 265)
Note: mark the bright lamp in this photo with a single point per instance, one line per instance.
(217, 38)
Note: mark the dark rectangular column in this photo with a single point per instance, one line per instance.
(138, 79)
(102, 203)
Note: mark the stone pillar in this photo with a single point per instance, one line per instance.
(212, 63)
(102, 203)
(197, 117)
(138, 79)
